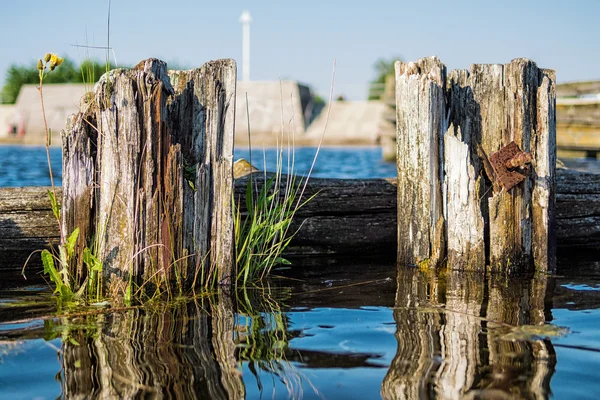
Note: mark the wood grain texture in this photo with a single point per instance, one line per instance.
(544, 175)
(465, 228)
(420, 112)
(79, 199)
(509, 212)
(148, 173)
(202, 117)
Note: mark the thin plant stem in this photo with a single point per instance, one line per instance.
(324, 130)
(48, 138)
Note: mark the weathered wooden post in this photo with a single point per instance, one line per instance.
(147, 175)
(421, 113)
(476, 164)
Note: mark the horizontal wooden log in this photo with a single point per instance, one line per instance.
(346, 217)
(575, 182)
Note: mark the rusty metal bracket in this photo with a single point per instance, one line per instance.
(510, 166)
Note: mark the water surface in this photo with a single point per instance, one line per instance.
(28, 166)
(344, 335)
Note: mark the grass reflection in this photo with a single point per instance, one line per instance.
(262, 338)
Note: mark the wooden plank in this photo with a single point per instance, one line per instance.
(578, 112)
(573, 89)
(576, 182)
(578, 137)
(578, 125)
(345, 216)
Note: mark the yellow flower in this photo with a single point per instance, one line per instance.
(58, 60)
(55, 61)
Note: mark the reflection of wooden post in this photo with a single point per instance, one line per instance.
(459, 335)
(426, 334)
(145, 353)
(487, 220)
(442, 352)
(417, 335)
(224, 347)
(519, 302)
(148, 173)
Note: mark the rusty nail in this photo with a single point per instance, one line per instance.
(519, 160)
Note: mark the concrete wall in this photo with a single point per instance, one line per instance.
(352, 122)
(60, 101)
(273, 107)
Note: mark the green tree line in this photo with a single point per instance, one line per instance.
(88, 71)
(382, 68)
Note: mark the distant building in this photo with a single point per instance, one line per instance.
(276, 111)
(273, 108)
(353, 123)
(60, 101)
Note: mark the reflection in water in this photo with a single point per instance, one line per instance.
(262, 337)
(453, 343)
(186, 352)
(450, 335)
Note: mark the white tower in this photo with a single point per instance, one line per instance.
(245, 19)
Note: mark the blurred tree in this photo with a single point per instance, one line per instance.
(18, 75)
(383, 68)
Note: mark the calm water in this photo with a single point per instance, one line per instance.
(28, 166)
(328, 332)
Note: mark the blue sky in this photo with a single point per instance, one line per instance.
(300, 39)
